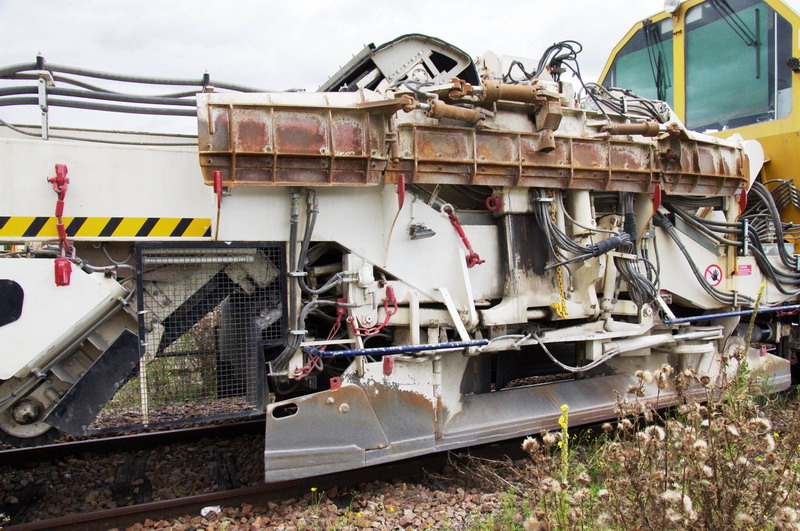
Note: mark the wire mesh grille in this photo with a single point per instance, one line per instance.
(206, 314)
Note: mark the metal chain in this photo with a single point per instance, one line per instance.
(559, 307)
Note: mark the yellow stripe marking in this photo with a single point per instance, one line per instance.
(197, 227)
(164, 227)
(16, 226)
(128, 227)
(49, 228)
(92, 227)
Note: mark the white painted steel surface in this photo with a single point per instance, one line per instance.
(52, 316)
(105, 180)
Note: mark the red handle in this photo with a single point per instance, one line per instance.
(473, 258)
(401, 190)
(218, 186)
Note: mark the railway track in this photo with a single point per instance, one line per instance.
(133, 470)
(37, 480)
(128, 442)
(260, 494)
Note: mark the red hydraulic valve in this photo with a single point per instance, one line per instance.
(388, 365)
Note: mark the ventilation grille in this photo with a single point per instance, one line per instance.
(206, 314)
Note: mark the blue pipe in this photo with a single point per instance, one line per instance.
(730, 314)
(399, 349)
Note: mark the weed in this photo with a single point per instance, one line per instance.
(563, 443)
(716, 462)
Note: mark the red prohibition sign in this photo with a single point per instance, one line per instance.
(713, 275)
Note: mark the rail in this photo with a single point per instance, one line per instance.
(413, 469)
(126, 442)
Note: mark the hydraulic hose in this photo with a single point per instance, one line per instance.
(761, 191)
(722, 296)
(98, 95)
(297, 279)
(292, 344)
(58, 102)
(311, 220)
(97, 74)
(711, 229)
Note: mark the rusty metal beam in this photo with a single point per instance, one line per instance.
(296, 145)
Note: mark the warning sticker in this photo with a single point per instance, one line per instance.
(744, 270)
(713, 274)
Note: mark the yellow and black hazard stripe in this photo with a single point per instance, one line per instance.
(100, 227)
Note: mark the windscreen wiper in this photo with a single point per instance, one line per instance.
(750, 38)
(655, 54)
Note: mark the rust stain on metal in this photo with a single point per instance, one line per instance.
(349, 138)
(300, 133)
(437, 145)
(252, 136)
(390, 396)
(497, 148)
(590, 155)
(273, 146)
(629, 157)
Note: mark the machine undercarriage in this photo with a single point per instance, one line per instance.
(432, 253)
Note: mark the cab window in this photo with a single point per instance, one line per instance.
(736, 53)
(644, 64)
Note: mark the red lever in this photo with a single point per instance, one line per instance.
(401, 191)
(656, 197)
(473, 258)
(63, 267)
(218, 186)
(742, 201)
(60, 183)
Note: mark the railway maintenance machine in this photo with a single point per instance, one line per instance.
(430, 252)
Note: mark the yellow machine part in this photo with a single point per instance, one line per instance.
(780, 138)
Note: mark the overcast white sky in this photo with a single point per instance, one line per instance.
(289, 43)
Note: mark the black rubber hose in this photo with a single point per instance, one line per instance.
(662, 221)
(757, 246)
(718, 226)
(311, 221)
(697, 225)
(630, 226)
(291, 344)
(609, 244)
(766, 197)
